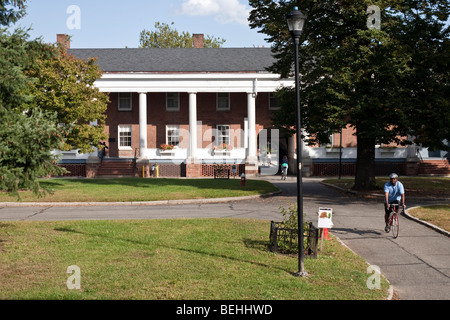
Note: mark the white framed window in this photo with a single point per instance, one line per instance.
(223, 101)
(223, 134)
(124, 101)
(172, 101)
(173, 135)
(125, 136)
(274, 102)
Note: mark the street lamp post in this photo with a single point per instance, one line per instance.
(296, 20)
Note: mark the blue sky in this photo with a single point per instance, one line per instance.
(117, 24)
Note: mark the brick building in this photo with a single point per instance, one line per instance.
(197, 101)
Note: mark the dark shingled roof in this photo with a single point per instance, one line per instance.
(179, 60)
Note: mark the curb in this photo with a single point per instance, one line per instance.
(136, 203)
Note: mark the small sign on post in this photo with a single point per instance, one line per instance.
(324, 222)
(325, 216)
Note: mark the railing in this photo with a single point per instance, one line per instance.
(221, 173)
(285, 240)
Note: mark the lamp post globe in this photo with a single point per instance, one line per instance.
(295, 20)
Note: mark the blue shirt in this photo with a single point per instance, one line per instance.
(395, 192)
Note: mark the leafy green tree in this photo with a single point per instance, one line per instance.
(65, 85)
(425, 36)
(25, 149)
(47, 99)
(164, 36)
(28, 137)
(386, 84)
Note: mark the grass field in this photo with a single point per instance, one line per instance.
(136, 189)
(437, 215)
(194, 259)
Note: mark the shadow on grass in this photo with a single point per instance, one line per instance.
(52, 184)
(249, 243)
(257, 244)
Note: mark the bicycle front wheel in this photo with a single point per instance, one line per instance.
(395, 226)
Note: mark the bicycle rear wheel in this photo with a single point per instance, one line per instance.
(394, 225)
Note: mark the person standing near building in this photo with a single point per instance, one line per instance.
(284, 167)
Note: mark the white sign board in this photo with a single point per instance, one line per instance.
(325, 218)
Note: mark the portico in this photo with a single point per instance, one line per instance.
(196, 141)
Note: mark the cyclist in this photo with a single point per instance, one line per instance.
(284, 166)
(394, 193)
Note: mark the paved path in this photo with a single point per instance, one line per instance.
(417, 263)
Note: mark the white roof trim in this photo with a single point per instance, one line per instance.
(191, 82)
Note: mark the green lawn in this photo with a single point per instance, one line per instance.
(170, 259)
(136, 189)
(438, 215)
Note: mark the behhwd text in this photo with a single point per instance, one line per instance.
(245, 309)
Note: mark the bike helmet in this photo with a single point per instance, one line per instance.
(393, 176)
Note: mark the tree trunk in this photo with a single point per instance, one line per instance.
(365, 164)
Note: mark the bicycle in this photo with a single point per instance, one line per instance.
(393, 219)
(283, 173)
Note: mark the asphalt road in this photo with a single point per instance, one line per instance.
(417, 263)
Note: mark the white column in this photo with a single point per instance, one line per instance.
(192, 126)
(142, 125)
(251, 110)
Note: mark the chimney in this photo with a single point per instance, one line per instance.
(198, 40)
(64, 40)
